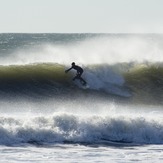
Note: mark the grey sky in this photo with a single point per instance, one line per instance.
(80, 16)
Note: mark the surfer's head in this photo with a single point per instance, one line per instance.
(73, 63)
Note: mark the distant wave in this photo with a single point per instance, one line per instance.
(81, 48)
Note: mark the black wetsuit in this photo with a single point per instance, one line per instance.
(79, 73)
(78, 69)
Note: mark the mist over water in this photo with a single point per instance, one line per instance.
(88, 49)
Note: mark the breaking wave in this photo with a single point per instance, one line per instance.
(73, 128)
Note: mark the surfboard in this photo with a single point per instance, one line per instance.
(81, 85)
(86, 86)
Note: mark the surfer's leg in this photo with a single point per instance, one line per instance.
(80, 78)
(83, 81)
(76, 77)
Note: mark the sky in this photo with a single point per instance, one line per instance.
(81, 16)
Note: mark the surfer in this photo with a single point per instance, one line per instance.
(79, 73)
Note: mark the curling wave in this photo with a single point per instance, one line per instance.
(140, 82)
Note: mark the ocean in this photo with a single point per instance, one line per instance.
(47, 117)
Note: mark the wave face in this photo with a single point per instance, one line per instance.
(139, 83)
(51, 79)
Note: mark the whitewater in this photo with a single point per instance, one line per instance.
(46, 117)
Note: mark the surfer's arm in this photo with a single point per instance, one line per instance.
(68, 70)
